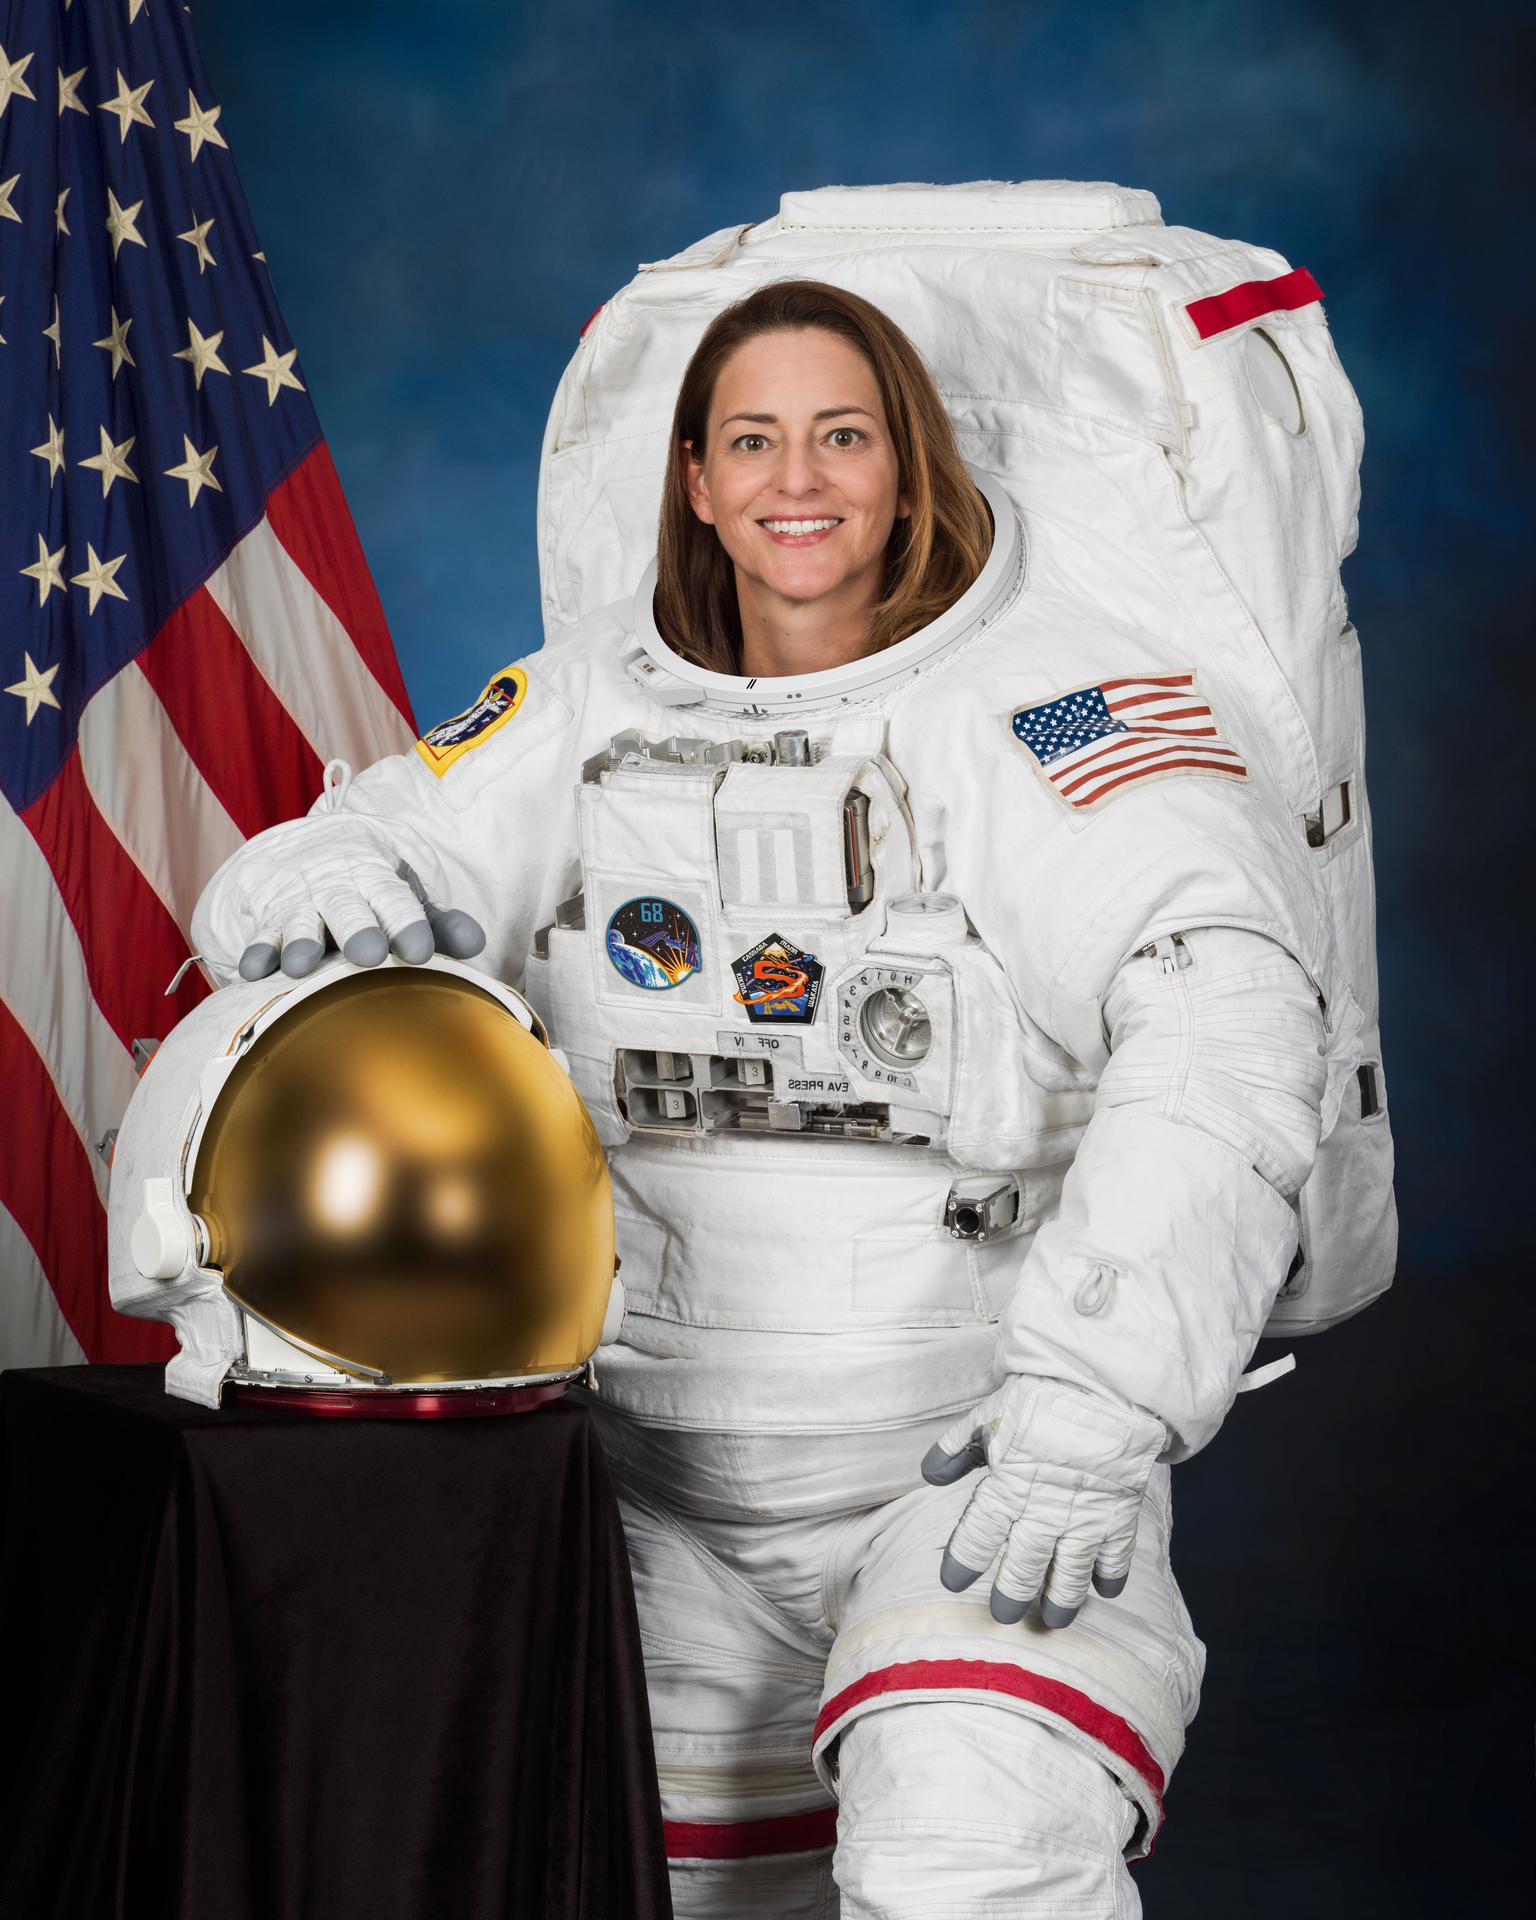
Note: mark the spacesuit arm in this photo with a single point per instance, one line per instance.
(1178, 1222)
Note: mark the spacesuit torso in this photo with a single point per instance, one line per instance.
(827, 965)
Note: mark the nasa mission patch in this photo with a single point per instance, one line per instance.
(778, 982)
(653, 943)
(447, 742)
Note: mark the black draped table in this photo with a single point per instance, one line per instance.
(260, 1665)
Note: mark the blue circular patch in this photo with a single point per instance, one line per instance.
(653, 943)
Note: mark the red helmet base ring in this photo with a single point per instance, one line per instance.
(384, 1403)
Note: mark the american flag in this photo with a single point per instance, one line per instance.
(187, 627)
(1100, 739)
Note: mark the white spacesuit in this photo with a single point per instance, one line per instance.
(961, 1024)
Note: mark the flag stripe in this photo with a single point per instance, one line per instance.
(116, 950)
(1238, 772)
(152, 794)
(1147, 680)
(229, 720)
(47, 1187)
(44, 982)
(309, 514)
(1118, 744)
(33, 1330)
(267, 600)
(1157, 693)
(1129, 758)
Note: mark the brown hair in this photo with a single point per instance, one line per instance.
(935, 552)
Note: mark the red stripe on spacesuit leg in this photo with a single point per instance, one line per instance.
(1220, 312)
(936, 1677)
(750, 1839)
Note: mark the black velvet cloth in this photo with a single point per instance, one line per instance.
(262, 1666)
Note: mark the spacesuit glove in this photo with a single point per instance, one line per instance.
(374, 885)
(1065, 1473)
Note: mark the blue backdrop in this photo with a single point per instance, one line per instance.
(446, 192)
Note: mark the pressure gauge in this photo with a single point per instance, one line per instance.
(896, 1027)
(884, 1029)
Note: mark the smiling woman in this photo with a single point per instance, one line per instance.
(828, 524)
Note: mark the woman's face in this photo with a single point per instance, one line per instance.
(799, 476)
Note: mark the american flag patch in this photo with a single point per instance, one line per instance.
(1101, 739)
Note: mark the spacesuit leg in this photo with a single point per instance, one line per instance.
(1119, 1685)
(735, 1651)
(952, 1810)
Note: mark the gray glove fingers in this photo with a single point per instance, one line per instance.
(367, 947)
(956, 1576)
(303, 941)
(1066, 1587)
(942, 1469)
(395, 905)
(413, 944)
(1026, 1561)
(339, 904)
(1112, 1563)
(982, 1529)
(258, 960)
(458, 934)
(454, 932)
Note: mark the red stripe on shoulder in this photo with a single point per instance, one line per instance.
(131, 944)
(47, 1187)
(242, 738)
(309, 514)
(1219, 312)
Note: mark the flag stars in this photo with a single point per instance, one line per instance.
(45, 570)
(58, 211)
(199, 126)
(69, 98)
(201, 352)
(99, 577)
(128, 105)
(196, 469)
(196, 237)
(7, 188)
(52, 450)
(121, 223)
(11, 81)
(35, 687)
(116, 343)
(276, 369)
(112, 464)
(51, 332)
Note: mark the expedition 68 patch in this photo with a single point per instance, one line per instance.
(1101, 739)
(444, 744)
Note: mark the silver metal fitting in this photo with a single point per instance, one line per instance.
(980, 1206)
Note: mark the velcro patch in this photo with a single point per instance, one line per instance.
(441, 745)
(1096, 741)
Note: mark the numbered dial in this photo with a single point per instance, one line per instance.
(883, 1025)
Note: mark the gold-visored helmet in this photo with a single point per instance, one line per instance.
(390, 1175)
(401, 1176)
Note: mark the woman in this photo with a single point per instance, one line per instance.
(957, 1045)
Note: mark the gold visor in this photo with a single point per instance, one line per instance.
(399, 1175)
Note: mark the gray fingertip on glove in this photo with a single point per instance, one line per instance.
(333, 879)
(1057, 1507)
